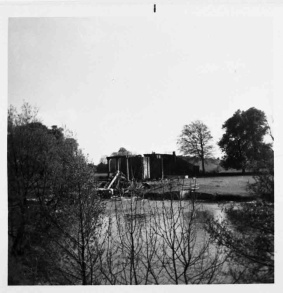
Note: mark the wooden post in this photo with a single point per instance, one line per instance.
(148, 167)
(118, 164)
(108, 163)
(162, 171)
(127, 161)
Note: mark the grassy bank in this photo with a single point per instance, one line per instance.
(232, 188)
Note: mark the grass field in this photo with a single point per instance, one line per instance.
(221, 186)
(234, 185)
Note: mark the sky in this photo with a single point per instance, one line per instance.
(135, 81)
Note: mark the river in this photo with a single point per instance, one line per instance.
(166, 238)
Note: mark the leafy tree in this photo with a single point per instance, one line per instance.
(73, 246)
(242, 142)
(102, 167)
(57, 132)
(250, 238)
(51, 197)
(122, 152)
(29, 148)
(32, 163)
(195, 141)
(248, 233)
(103, 160)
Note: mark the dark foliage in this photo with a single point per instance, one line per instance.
(51, 196)
(248, 231)
(242, 143)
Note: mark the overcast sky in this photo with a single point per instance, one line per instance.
(134, 82)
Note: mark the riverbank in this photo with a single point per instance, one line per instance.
(176, 195)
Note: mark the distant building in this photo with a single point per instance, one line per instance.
(151, 166)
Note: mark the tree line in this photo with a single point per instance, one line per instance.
(251, 240)
(242, 143)
(53, 210)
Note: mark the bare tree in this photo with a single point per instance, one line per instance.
(75, 228)
(151, 242)
(188, 255)
(195, 141)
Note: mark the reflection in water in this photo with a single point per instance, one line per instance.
(160, 230)
(135, 217)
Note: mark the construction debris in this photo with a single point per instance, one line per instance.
(119, 187)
